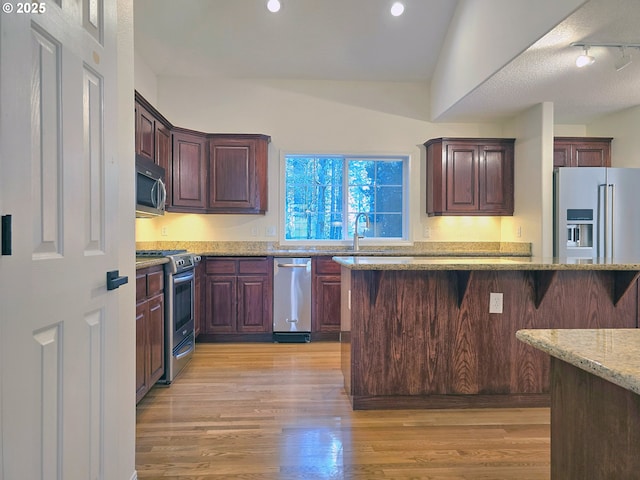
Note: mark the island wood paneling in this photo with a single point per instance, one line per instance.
(595, 426)
(414, 339)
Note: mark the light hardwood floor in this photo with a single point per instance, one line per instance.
(278, 411)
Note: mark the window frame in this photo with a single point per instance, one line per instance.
(406, 158)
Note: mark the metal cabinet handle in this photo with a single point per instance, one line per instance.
(6, 235)
(293, 265)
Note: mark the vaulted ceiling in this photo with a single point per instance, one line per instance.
(358, 40)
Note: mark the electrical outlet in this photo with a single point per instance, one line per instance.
(270, 231)
(254, 231)
(495, 302)
(164, 231)
(426, 232)
(519, 231)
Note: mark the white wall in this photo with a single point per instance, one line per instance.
(475, 47)
(312, 116)
(145, 81)
(533, 215)
(624, 127)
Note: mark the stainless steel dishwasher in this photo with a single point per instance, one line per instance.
(292, 299)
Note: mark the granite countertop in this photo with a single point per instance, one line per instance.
(482, 263)
(611, 354)
(242, 249)
(144, 262)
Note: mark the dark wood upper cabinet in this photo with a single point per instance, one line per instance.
(470, 176)
(145, 133)
(582, 151)
(189, 172)
(238, 173)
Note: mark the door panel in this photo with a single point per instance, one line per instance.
(61, 181)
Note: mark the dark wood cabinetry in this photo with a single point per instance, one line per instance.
(582, 152)
(205, 172)
(238, 173)
(149, 328)
(153, 133)
(325, 313)
(470, 176)
(238, 295)
(189, 172)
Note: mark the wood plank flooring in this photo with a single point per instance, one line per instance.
(278, 411)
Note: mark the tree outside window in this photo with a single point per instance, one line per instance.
(323, 195)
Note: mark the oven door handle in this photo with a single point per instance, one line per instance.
(182, 278)
(189, 348)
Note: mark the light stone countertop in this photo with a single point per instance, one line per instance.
(483, 263)
(240, 249)
(610, 353)
(144, 262)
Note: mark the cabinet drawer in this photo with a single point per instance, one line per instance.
(221, 266)
(141, 286)
(253, 265)
(155, 283)
(326, 266)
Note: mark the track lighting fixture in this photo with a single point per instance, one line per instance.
(585, 59)
(273, 6)
(624, 60)
(625, 57)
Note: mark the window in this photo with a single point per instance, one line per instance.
(324, 193)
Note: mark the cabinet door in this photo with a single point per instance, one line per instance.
(255, 311)
(562, 154)
(592, 154)
(142, 363)
(462, 178)
(495, 179)
(155, 335)
(220, 300)
(145, 133)
(238, 174)
(189, 173)
(326, 304)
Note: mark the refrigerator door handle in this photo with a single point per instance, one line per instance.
(603, 220)
(611, 215)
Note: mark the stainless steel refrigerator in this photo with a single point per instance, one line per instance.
(596, 213)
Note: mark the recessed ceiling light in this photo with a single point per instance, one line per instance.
(273, 6)
(397, 9)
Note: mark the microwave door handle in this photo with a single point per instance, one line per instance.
(163, 193)
(154, 194)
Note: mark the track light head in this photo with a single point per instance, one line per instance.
(624, 60)
(585, 59)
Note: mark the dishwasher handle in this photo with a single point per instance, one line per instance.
(292, 265)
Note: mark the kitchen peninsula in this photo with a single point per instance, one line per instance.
(417, 332)
(595, 401)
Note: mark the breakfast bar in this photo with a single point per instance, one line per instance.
(595, 401)
(439, 332)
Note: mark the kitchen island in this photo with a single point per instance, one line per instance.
(595, 401)
(416, 332)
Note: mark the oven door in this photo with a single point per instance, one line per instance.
(182, 321)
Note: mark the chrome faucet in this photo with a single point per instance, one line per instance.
(356, 236)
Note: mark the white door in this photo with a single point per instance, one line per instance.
(65, 396)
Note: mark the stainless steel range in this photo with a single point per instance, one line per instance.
(179, 334)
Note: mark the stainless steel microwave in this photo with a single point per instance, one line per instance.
(151, 192)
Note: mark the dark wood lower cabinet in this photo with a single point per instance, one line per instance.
(325, 315)
(149, 329)
(238, 297)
